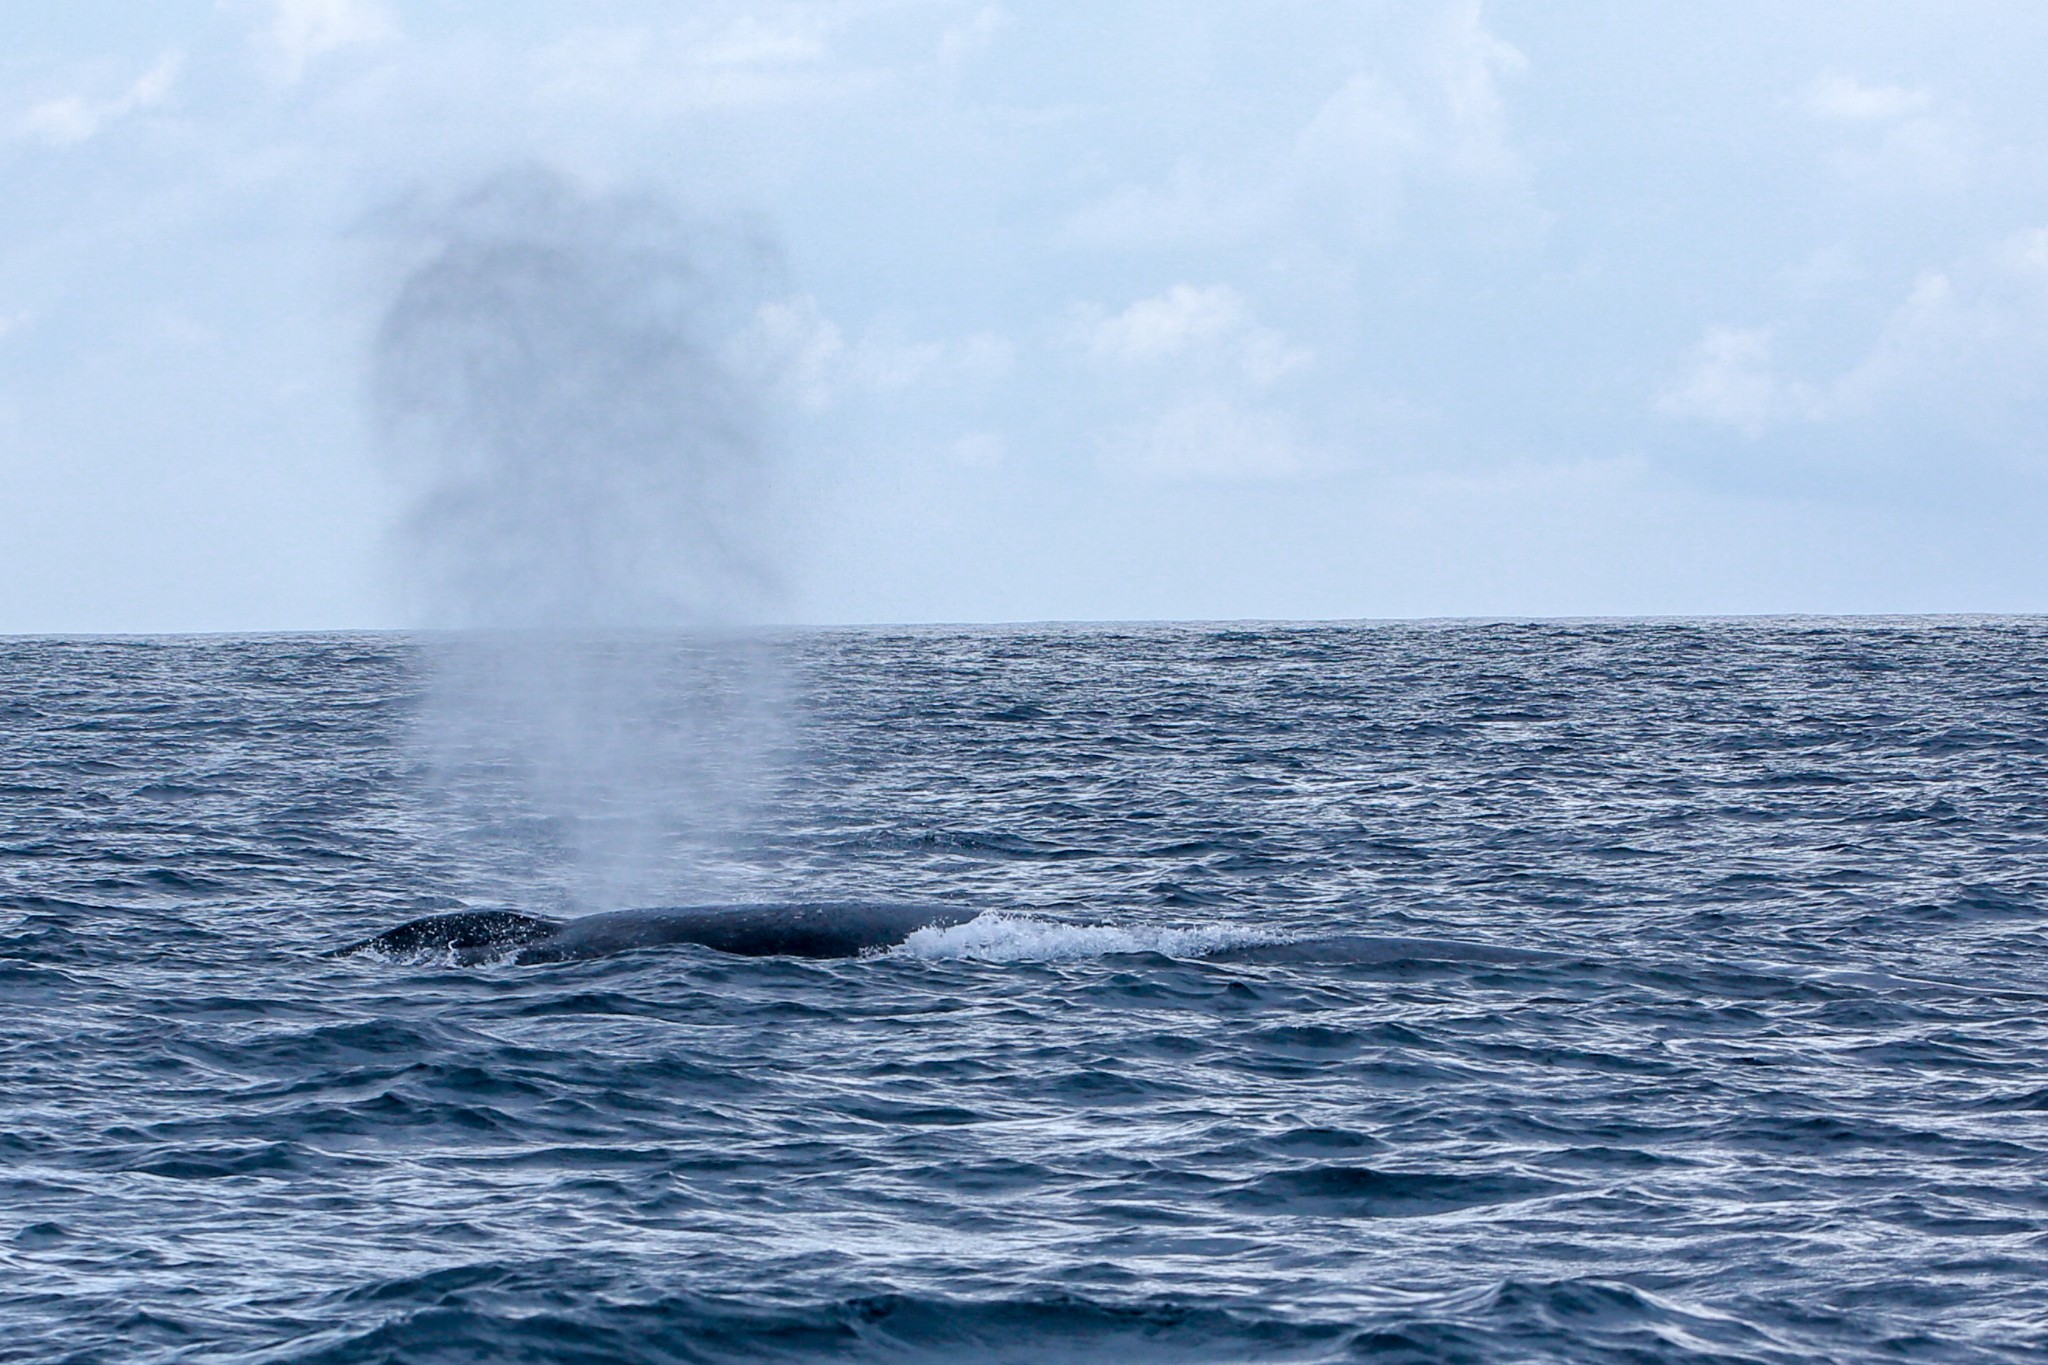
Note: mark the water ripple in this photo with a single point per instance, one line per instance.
(1657, 991)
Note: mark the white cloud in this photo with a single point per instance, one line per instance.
(730, 59)
(963, 42)
(1967, 348)
(1190, 204)
(1209, 324)
(1347, 165)
(980, 450)
(1972, 338)
(1214, 439)
(72, 119)
(1352, 164)
(1830, 270)
(810, 356)
(1470, 63)
(301, 31)
(1732, 382)
(1169, 325)
(1356, 154)
(1202, 362)
(1839, 98)
(1890, 138)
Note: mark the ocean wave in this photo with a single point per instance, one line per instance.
(1274, 1072)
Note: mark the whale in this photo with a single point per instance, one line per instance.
(815, 930)
(829, 929)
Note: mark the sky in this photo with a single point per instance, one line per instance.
(1080, 309)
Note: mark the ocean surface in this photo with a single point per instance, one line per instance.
(1768, 1083)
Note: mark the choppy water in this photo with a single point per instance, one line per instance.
(1781, 1095)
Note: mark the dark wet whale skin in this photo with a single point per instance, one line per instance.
(823, 930)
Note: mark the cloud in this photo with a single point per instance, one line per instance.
(1964, 353)
(1200, 364)
(301, 31)
(735, 59)
(1890, 138)
(963, 42)
(1731, 382)
(1836, 98)
(72, 119)
(1470, 62)
(1209, 324)
(1182, 318)
(1213, 438)
(810, 357)
(1437, 114)
(1347, 165)
(1971, 340)
(1192, 203)
(1355, 155)
(1827, 271)
(980, 450)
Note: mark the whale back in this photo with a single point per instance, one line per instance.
(834, 929)
(830, 929)
(468, 934)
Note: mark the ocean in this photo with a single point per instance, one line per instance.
(1765, 1078)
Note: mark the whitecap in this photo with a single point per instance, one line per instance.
(996, 937)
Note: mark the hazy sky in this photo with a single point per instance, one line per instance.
(1085, 308)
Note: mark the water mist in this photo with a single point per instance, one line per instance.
(585, 492)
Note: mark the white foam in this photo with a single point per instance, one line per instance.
(996, 937)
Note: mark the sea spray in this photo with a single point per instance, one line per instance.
(585, 492)
(998, 937)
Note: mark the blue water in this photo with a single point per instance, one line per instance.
(1779, 1093)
